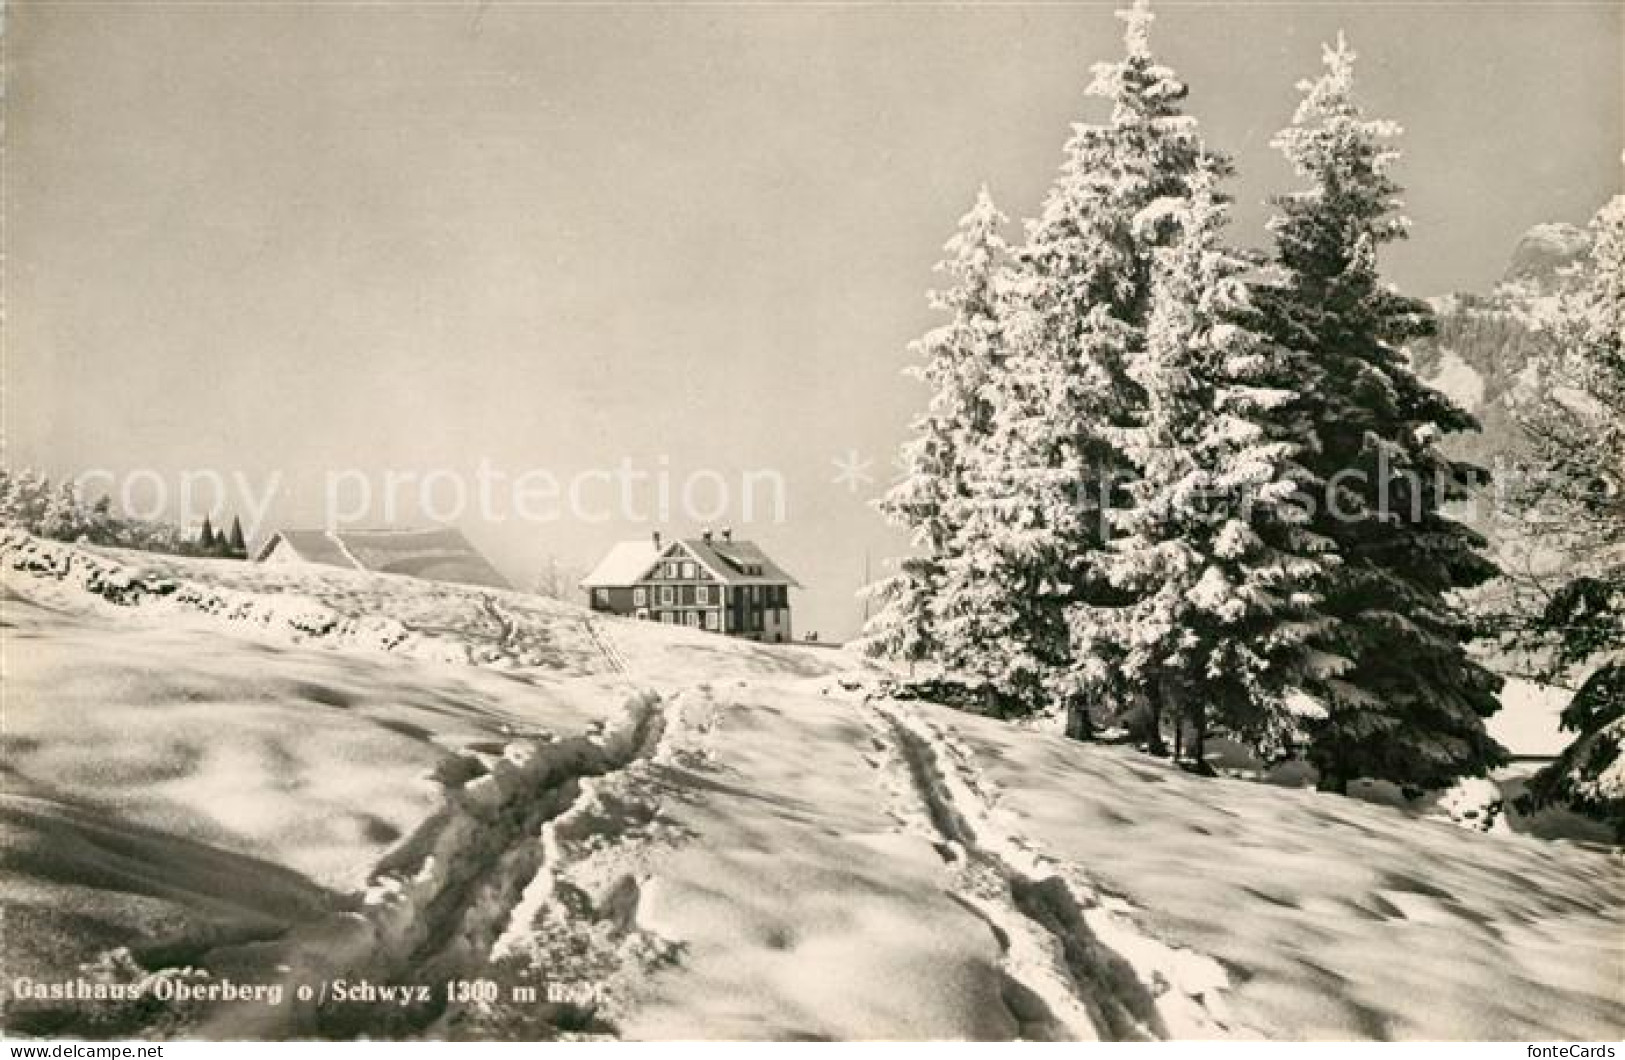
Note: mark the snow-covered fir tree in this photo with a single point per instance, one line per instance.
(902, 627)
(24, 497)
(1577, 431)
(1220, 574)
(30, 501)
(1573, 417)
(1585, 623)
(957, 361)
(236, 545)
(64, 515)
(1075, 313)
(1411, 707)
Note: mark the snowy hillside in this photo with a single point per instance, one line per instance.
(217, 772)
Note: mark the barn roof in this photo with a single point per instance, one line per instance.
(732, 562)
(312, 546)
(439, 554)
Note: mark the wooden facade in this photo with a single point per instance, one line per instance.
(715, 584)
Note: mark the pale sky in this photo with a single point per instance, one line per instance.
(304, 239)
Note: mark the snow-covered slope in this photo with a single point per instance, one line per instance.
(216, 772)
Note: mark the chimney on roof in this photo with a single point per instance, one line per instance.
(705, 535)
(727, 533)
(656, 537)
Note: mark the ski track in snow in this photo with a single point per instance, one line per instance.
(576, 923)
(484, 891)
(1077, 966)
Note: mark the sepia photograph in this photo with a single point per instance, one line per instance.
(836, 521)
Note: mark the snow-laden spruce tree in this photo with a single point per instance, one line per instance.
(236, 545)
(1221, 576)
(25, 496)
(1577, 433)
(957, 361)
(64, 517)
(1411, 707)
(1075, 313)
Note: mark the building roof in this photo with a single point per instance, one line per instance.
(732, 562)
(439, 554)
(627, 562)
(312, 546)
(739, 562)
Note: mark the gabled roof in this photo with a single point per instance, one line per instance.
(738, 562)
(439, 554)
(730, 562)
(627, 562)
(312, 546)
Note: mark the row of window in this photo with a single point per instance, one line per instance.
(685, 569)
(770, 595)
(701, 595)
(668, 595)
(697, 594)
(709, 619)
(688, 570)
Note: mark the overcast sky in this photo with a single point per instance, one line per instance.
(298, 239)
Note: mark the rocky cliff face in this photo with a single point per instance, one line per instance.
(1544, 251)
(1485, 344)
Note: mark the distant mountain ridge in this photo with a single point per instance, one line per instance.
(1482, 352)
